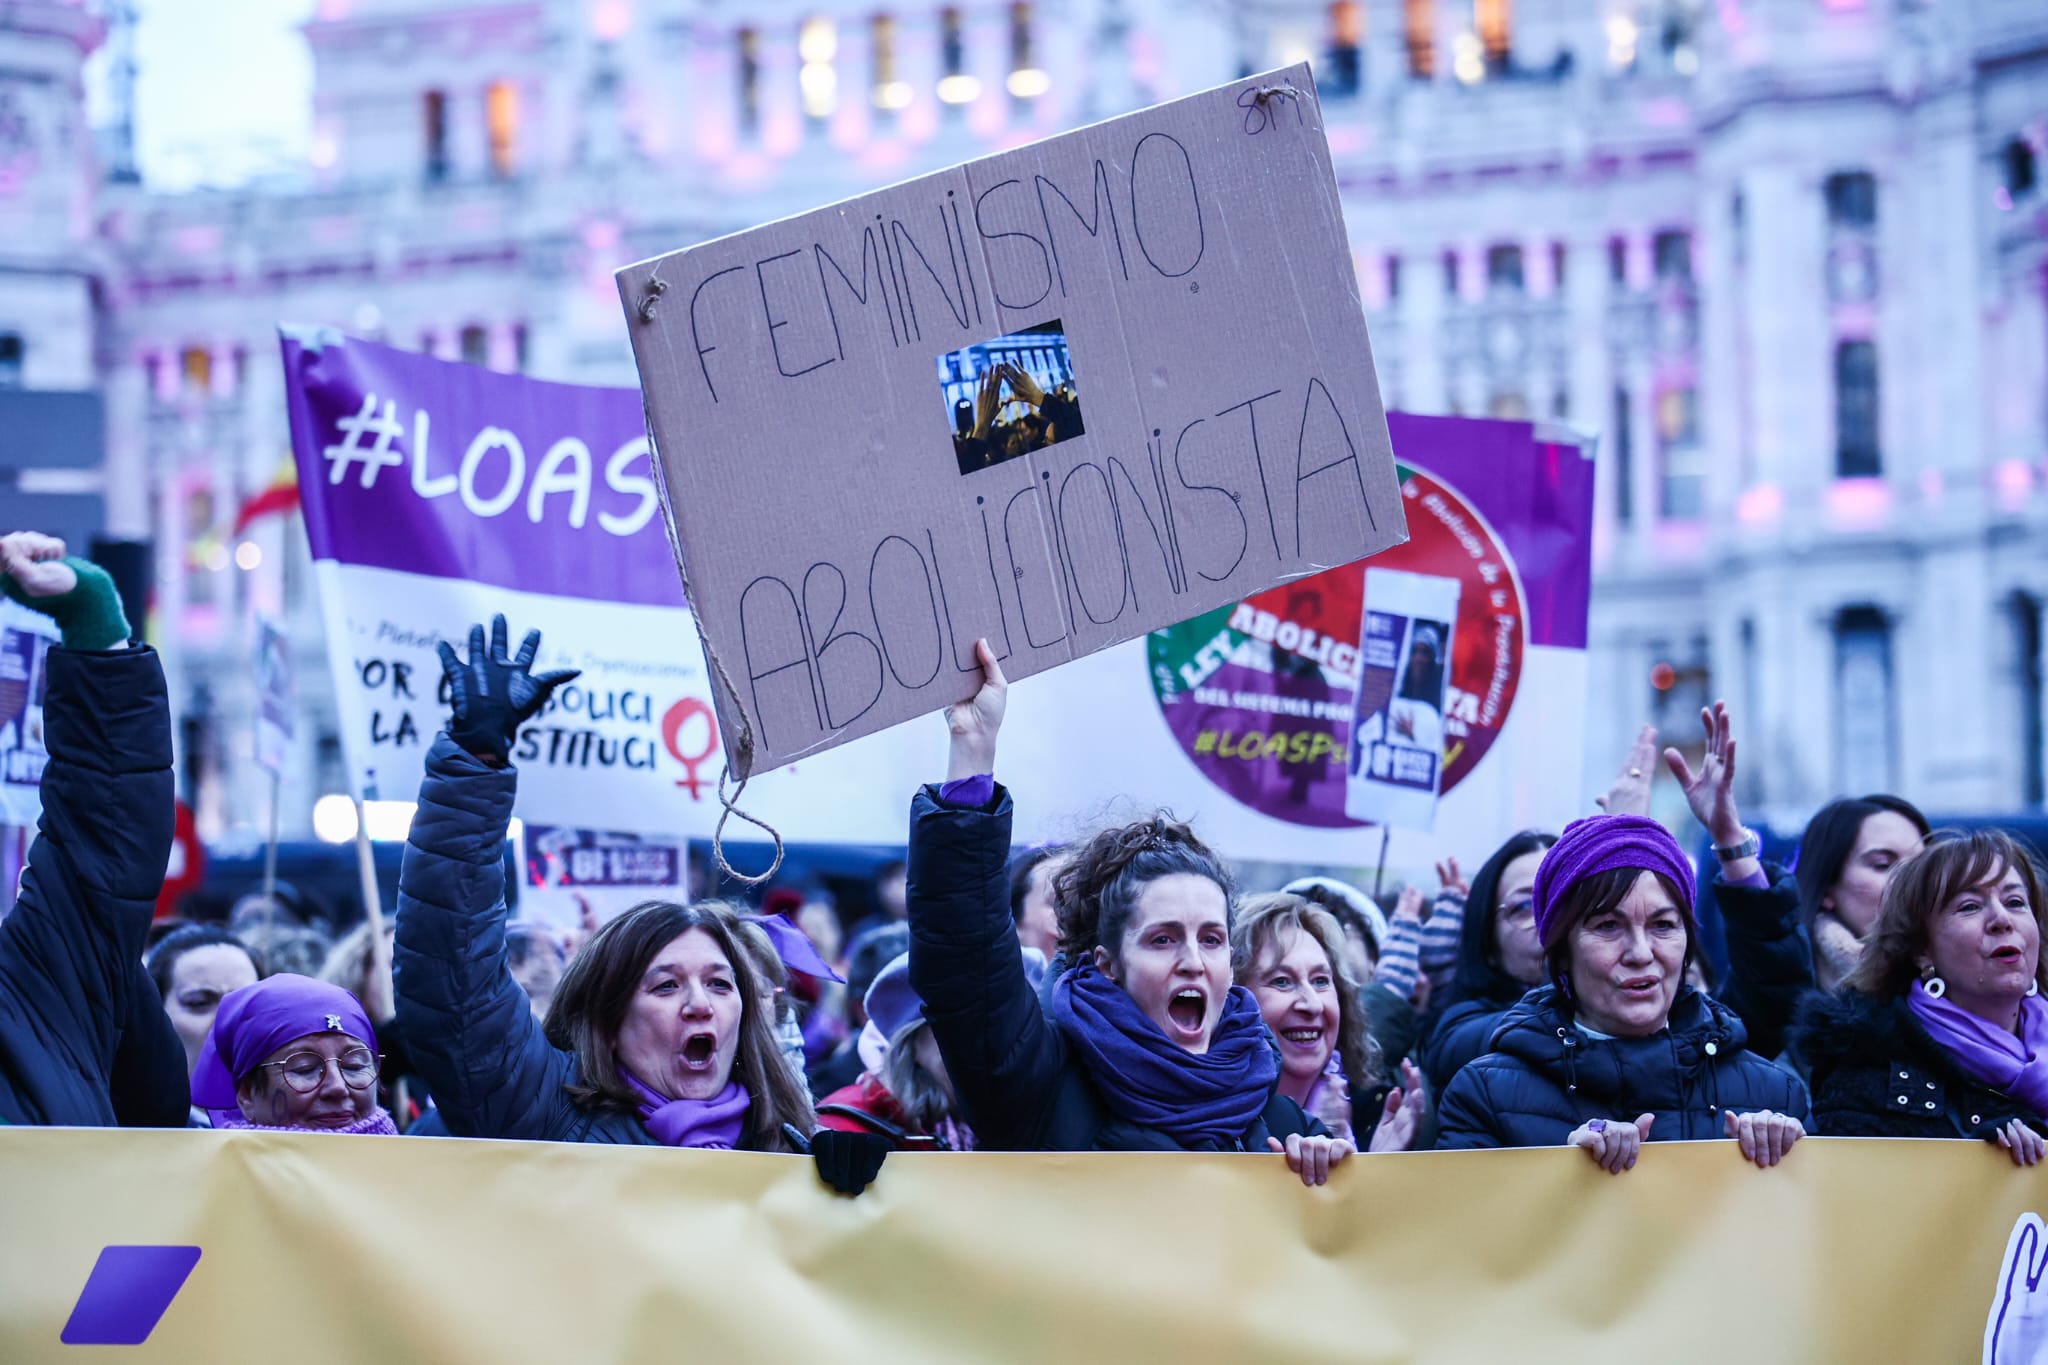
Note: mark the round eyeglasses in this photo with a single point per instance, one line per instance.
(303, 1071)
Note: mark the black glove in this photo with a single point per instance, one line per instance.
(493, 695)
(848, 1161)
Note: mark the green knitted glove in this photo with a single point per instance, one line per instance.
(90, 614)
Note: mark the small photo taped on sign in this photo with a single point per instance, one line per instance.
(1010, 395)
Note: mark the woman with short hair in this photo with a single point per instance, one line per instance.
(1618, 1050)
(1941, 1031)
(290, 1052)
(1146, 1044)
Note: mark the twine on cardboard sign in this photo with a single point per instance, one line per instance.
(1268, 93)
(742, 748)
(656, 287)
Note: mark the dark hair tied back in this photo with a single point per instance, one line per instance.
(1099, 886)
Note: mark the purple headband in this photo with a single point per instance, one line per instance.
(257, 1020)
(794, 947)
(1606, 843)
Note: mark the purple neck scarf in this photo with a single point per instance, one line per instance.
(379, 1124)
(718, 1122)
(1206, 1100)
(2015, 1064)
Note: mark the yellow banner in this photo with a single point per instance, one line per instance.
(282, 1247)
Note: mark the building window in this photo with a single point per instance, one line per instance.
(501, 116)
(1347, 44)
(956, 87)
(437, 136)
(1496, 29)
(817, 47)
(1027, 79)
(1558, 257)
(1617, 261)
(2017, 162)
(1421, 33)
(750, 82)
(1624, 459)
(1738, 226)
(890, 92)
(1672, 252)
(1504, 269)
(519, 341)
(1856, 449)
(1863, 700)
(1451, 274)
(1852, 199)
(476, 346)
(10, 360)
(196, 363)
(1393, 278)
(1682, 493)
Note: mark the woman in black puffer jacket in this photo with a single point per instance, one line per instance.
(1144, 1043)
(1618, 1050)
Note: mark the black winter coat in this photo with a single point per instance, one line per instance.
(1544, 1078)
(1876, 1073)
(1020, 1087)
(1462, 1035)
(1770, 965)
(71, 981)
(468, 1026)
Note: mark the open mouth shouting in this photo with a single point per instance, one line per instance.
(2008, 955)
(1187, 1010)
(699, 1051)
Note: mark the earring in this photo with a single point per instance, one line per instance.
(2034, 987)
(1935, 987)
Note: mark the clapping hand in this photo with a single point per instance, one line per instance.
(1403, 1114)
(493, 695)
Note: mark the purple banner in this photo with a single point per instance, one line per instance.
(1538, 499)
(430, 467)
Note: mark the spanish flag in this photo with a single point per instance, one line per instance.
(279, 497)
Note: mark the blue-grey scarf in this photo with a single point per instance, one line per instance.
(1206, 1100)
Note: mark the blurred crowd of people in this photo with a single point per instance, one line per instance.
(1124, 992)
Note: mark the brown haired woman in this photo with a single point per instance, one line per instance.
(1941, 1032)
(1289, 953)
(1149, 1046)
(658, 1032)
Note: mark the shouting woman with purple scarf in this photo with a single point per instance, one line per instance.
(1145, 1045)
(661, 1032)
(1942, 1030)
(291, 1053)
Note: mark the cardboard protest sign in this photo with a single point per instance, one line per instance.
(438, 494)
(1057, 397)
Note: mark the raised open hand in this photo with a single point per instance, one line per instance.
(1630, 794)
(1711, 791)
(492, 695)
(1403, 1114)
(988, 396)
(1024, 386)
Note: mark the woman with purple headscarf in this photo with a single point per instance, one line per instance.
(291, 1053)
(1617, 1049)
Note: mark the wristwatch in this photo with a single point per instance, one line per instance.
(1751, 845)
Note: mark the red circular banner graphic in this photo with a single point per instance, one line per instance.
(1259, 693)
